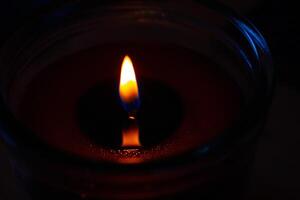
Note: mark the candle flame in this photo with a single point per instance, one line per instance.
(128, 88)
(129, 94)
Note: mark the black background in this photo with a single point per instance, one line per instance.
(276, 172)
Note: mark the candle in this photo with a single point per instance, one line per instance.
(183, 125)
(185, 102)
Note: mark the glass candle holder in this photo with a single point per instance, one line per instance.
(205, 78)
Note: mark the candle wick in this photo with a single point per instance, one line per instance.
(131, 132)
(132, 115)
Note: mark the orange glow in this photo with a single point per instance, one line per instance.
(129, 93)
(128, 88)
(131, 137)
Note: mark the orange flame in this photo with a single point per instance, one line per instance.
(128, 88)
(129, 93)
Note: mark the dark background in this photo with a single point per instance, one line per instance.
(276, 172)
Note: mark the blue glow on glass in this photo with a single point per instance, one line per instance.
(248, 35)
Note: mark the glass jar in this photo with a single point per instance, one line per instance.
(215, 168)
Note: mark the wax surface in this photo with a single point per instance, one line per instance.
(212, 101)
